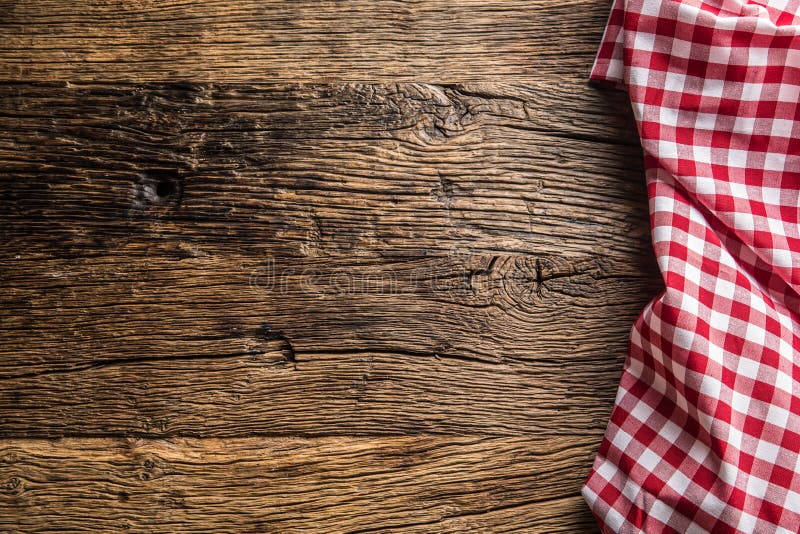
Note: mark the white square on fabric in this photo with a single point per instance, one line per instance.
(756, 487)
(751, 92)
(784, 382)
(638, 75)
(644, 41)
(696, 245)
(674, 81)
(668, 116)
(771, 195)
(649, 460)
(699, 452)
(740, 403)
(737, 158)
(755, 334)
(678, 482)
(744, 125)
(607, 471)
(687, 13)
(720, 55)
(781, 128)
(713, 88)
(747, 522)
(767, 451)
(747, 367)
(713, 505)
(710, 386)
(782, 258)
(661, 233)
(668, 149)
(774, 161)
(705, 121)
(735, 437)
(702, 154)
(693, 274)
(792, 502)
(778, 416)
(651, 8)
(683, 338)
(757, 57)
(662, 512)
(738, 190)
(715, 352)
(744, 221)
(725, 288)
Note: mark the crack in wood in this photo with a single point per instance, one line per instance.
(266, 332)
(99, 364)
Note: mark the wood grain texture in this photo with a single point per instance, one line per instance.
(399, 484)
(390, 290)
(62, 315)
(260, 182)
(249, 40)
(318, 170)
(353, 393)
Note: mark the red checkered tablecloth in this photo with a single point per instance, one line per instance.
(705, 432)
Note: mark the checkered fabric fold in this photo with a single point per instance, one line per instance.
(705, 431)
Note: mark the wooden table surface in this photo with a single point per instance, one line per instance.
(327, 266)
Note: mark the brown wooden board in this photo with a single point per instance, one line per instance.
(330, 266)
(308, 40)
(345, 484)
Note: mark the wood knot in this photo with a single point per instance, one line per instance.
(165, 188)
(14, 486)
(150, 469)
(158, 189)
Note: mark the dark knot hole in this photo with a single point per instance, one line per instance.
(165, 187)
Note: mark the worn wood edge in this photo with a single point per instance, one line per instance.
(345, 483)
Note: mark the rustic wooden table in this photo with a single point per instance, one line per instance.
(326, 265)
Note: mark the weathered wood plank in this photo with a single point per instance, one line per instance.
(207, 260)
(353, 393)
(308, 40)
(63, 314)
(432, 283)
(204, 222)
(416, 484)
(316, 170)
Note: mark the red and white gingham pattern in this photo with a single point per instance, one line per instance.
(705, 432)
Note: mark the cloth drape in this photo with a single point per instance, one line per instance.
(704, 435)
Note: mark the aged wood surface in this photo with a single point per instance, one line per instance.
(388, 290)
(483, 240)
(405, 484)
(343, 169)
(305, 40)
